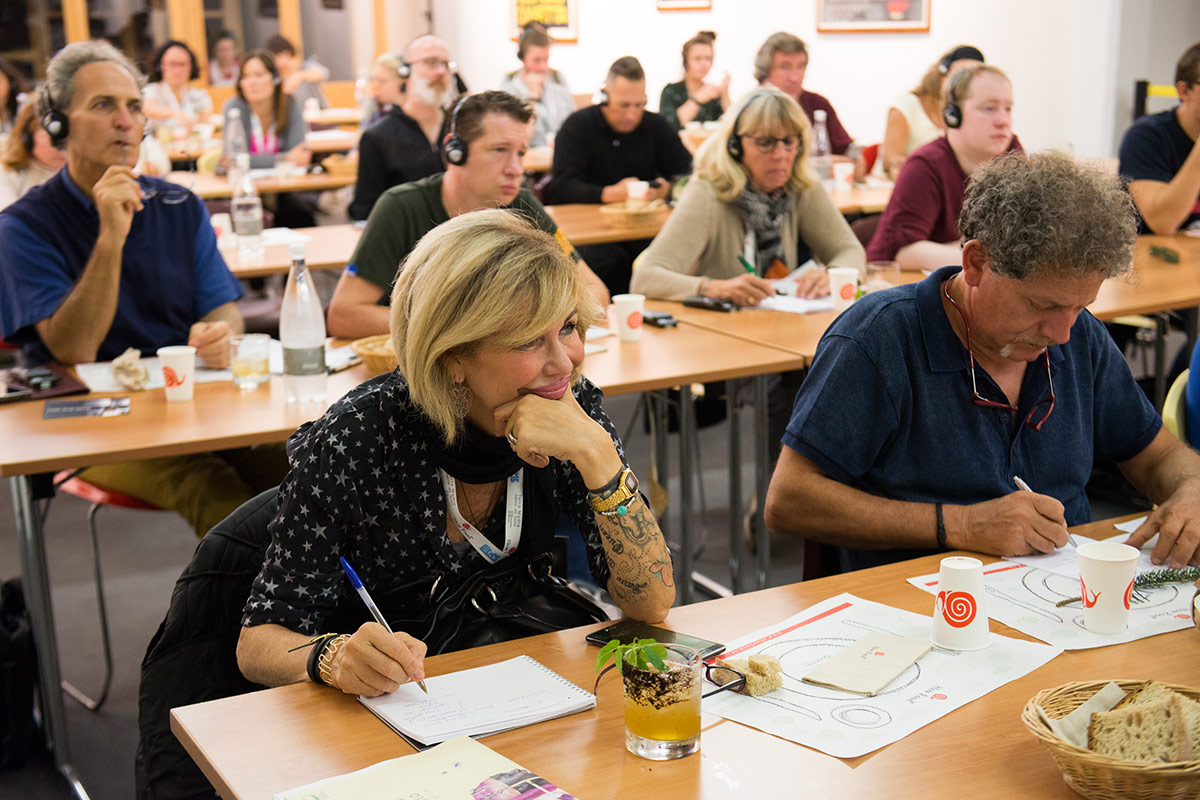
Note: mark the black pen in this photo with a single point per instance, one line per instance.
(366, 597)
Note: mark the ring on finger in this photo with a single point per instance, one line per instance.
(512, 440)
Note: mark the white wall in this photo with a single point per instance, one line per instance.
(1060, 54)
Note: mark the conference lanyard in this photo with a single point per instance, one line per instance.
(514, 512)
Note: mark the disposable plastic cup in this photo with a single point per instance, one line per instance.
(627, 308)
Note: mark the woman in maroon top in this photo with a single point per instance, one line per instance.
(919, 228)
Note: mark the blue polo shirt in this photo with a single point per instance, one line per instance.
(1154, 149)
(171, 271)
(886, 408)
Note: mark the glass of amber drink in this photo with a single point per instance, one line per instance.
(662, 708)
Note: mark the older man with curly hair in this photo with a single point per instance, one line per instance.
(926, 402)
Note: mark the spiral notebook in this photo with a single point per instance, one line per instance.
(479, 702)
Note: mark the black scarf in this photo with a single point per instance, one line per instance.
(476, 457)
(762, 214)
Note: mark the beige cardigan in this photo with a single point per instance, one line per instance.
(704, 236)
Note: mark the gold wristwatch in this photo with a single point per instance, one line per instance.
(619, 496)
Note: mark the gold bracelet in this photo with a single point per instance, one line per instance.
(627, 505)
(325, 663)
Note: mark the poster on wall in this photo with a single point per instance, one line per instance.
(685, 5)
(872, 16)
(561, 18)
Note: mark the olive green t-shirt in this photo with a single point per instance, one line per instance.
(405, 213)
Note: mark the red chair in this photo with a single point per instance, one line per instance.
(68, 482)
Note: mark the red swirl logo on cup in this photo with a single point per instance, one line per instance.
(634, 320)
(958, 608)
(848, 290)
(171, 378)
(1128, 594)
(1089, 598)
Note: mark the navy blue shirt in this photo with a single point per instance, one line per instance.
(171, 271)
(886, 408)
(1154, 149)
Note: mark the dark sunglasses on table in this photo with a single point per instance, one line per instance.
(726, 679)
(766, 144)
(982, 401)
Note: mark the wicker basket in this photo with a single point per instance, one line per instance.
(621, 217)
(1102, 777)
(376, 352)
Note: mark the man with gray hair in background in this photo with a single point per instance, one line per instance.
(927, 403)
(404, 145)
(98, 259)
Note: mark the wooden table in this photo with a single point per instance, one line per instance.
(538, 160)
(330, 247)
(209, 186)
(254, 745)
(334, 141)
(334, 116)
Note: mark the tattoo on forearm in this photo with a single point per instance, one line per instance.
(662, 568)
(633, 587)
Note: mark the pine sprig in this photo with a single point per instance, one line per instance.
(1152, 579)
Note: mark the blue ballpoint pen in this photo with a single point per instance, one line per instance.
(357, 583)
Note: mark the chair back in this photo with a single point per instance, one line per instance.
(1175, 407)
(193, 656)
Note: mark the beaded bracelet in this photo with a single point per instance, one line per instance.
(325, 660)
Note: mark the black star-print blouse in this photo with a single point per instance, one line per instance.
(361, 486)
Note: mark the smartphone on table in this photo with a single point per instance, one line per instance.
(628, 630)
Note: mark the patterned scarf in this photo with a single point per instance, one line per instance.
(762, 214)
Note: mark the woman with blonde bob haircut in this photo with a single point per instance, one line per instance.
(753, 210)
(463, 456)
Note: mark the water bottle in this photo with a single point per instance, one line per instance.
(363, 99)
(302, 332)
(822, 155)
(247, 214)
(235, 141)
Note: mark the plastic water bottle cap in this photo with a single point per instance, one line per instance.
(243, 161)
(819, 115)
(299, 251)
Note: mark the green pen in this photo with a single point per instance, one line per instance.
(746, 266)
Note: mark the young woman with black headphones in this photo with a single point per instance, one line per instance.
(168, 101)
(29, 157)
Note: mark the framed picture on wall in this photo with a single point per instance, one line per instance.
(561, 18)
(872, 16)
(685, 5)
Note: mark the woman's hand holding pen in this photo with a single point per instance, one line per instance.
(745, 290)
(812, 283)
(374, 662)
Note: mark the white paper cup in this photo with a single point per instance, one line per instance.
(843, 175)
(843, 285)
(222, 224)
(960, 620)
(179, 371)
(1106, 572)
(627, 308)
(635, 193)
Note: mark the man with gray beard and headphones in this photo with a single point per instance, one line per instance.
(403, 145)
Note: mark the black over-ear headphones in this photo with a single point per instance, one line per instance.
(454, 149)
(952, 113)
(54, 121)
(734, 143)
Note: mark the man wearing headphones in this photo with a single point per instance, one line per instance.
(403, 146)
(97, 260)
(600, 149)
(489, 133)
(919, 227)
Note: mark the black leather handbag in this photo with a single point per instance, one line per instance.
(513, 598)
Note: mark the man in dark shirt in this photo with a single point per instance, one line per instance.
(600, 149)
(1160, 155)
(781, 62)
(403, 145)
(493, 129)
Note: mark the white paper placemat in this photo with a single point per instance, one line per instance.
(848, 725)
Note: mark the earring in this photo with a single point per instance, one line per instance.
(460, 399)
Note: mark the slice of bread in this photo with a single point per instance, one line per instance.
(1150, 730)
(1146, 693)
